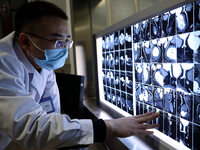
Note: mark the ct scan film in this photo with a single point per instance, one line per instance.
(154, 65)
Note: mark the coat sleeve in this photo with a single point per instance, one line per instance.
(24, 120)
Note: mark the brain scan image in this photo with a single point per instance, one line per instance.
(154, 65)
(139, 107)
(156, 27)
(146, 52)
(169, 75)
(105, 91)
(123, 81)
(169, 49)
(108, 96)
(184, 18)
(123, 101)
(109, 77)
(118, 98)
(146, 74)
(145, 30)
(138, 52)
(196, 133)
(117, 60)
(112, 79)
(168, 23)
(197, 16)
(197, 109)
(106, 43)
(128, 37)
(194, 44)
(129, 82)
(184, 105)
(185, 53)
(117, 81)
(116, 41)
(113, 97)
(148, 108)
(104, 73)
(103, 45)
(156, 51)
(184, 134)
(110, 60)
(196, 79)
(122, 39)
(158, 97)
(170, 101)
(136, 32)
(160, 120)
(107, 60)
(122, 60)
(104, 60)
(184, 76)
(138, 94)
(144, 94)
(129, 104)
(111, 42)
(157, 74)
(170, 126)
(129, 60)
(138, 72)
(147, 95)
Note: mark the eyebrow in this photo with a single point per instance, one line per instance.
(60, 35)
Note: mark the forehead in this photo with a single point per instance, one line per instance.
(51, 26)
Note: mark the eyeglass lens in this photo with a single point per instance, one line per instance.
(62, 44)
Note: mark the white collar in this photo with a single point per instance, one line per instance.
(22, 57)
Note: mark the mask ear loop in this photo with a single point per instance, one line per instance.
(35, 44)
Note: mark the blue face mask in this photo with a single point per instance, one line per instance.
(55, 58)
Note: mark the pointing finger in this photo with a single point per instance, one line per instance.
(143, 115)
(147, 118)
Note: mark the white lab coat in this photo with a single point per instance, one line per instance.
(22, 118)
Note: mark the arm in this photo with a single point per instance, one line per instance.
(128, 126)
(24, 120)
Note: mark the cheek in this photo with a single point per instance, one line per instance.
(37, 53)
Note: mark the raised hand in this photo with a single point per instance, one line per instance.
(128, 126)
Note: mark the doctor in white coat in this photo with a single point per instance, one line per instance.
(29, 97)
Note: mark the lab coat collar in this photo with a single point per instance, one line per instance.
(8, 39)
(37, 79)
(11, 46)
(39, 82)
(20, 54)
(22, 57)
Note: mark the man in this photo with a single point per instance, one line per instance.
(29, 96)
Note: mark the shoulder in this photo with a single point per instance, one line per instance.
(10, 64)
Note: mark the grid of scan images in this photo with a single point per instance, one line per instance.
(154, 65)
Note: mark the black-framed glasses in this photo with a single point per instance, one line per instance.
(57, 43)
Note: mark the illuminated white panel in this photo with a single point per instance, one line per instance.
(99, 66)
(153, 65)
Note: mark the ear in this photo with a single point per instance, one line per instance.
(24, 42)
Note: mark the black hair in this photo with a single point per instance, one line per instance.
(32, 11)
